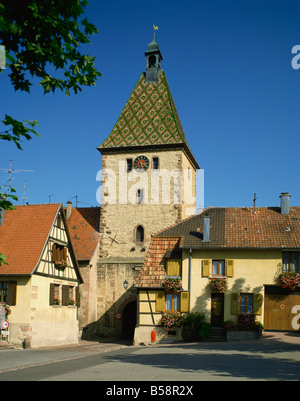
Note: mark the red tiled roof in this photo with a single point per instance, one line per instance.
(84, 229)
(153, 271)
(23, 235)
(231, 228)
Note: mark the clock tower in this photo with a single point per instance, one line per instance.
(148, 183)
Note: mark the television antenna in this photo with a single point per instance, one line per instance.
(12, 171)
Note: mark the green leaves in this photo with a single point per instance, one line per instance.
(18, 130)
(42, 35)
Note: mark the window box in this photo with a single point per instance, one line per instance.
(218, 284)
(289, 280)
(173, 284)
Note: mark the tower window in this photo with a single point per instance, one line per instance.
(152, 61)
(139, 237)
(155, 163)
(139, 196)
(129, 165)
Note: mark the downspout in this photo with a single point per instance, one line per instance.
(190, 269)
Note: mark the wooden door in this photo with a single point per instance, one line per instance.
(217, 310)
(278, 311)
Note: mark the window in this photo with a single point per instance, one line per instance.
(172, 302)
(155, 163)
(139, 196)
(174, 267)
(4, 292)
(218, 267)
(139, 236)
(291, 262)
(246, 303)
(59, 253)
(129, 165)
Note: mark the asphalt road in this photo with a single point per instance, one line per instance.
(267, 360)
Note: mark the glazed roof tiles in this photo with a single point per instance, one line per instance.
(148, 118)
(23, 234)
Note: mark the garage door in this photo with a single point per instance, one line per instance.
(278, 308)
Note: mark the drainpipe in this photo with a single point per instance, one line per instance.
(190, 269)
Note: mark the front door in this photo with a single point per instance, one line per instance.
(217, 310)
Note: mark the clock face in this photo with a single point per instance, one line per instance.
(141, 163)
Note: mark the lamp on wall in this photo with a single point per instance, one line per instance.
(125, 285)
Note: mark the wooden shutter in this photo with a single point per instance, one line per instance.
(184, 301)
(229, 272)
(257, 307)
(66, 254)
(160, 301)
(12, 293)
(51, 298)
(234, 304)
(205, 267)
(77, 299)
(174, 267)
(65, 295)
(54, 253)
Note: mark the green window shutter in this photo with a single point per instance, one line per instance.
(258, 301)
(184, 301)
(229, 272)
(234, 304)
(160, 301)
(206, 268)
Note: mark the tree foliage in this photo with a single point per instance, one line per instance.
(43, 40)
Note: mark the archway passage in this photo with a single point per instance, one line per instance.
(129, 320)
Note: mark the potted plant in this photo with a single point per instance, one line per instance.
(72, 301)
(61, 264)
(289, 280)
(218, 284)
(56, 301)
(246, 328)
(170, 320)
(173, 284)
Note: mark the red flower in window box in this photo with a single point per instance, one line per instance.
(218, 284)
(289, 280)
(173, 284)
(62, 264)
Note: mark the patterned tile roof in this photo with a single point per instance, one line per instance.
(23, 235)
(148, 118)
(84, 229)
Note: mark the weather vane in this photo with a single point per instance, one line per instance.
(155, 28)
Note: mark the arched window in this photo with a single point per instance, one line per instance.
(139, 236)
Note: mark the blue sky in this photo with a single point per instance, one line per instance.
(228, 64)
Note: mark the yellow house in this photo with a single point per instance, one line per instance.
(247, 249)
(41, 280)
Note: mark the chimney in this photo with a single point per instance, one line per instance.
(285, 202)
(69, 209)
(2, 215)
(206, 229)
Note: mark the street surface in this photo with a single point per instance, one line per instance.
(274, 357)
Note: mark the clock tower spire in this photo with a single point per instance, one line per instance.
(153, 61)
